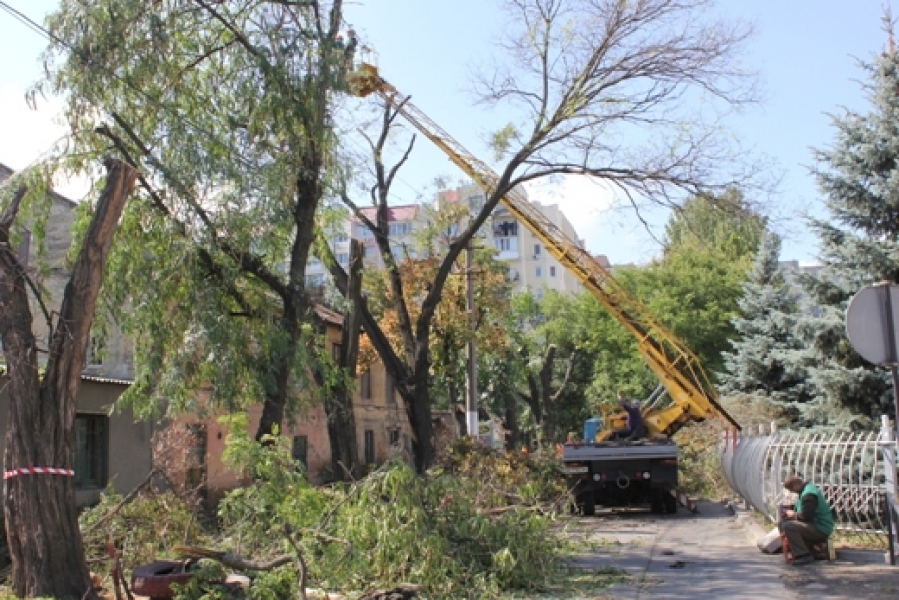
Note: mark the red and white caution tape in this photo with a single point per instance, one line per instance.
(38, 471)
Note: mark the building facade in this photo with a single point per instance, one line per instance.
(529, 264)
(111, 445)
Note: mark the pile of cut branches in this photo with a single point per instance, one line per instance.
(475, 526)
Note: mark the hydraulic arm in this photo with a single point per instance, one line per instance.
(692, 394)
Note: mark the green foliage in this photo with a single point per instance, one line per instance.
(502, 140)
(725, 223)
(766, 357)
(34, 210)
(456, 531)
(227, 118)
(561, 320)
(144, 529)
(859, 245)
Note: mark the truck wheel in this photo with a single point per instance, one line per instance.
(670, 503)
(588, 505)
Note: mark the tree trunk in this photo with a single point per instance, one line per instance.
(339, 408)
(417, 399)
(513, 441)
(546, 395)
(41, 518)
(282, 354)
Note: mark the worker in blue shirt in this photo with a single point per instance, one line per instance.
(634, 428)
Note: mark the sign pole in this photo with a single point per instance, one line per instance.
(891, 344)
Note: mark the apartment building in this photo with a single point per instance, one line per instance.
(530, 266)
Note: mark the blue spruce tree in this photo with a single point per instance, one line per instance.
(859, 177)
(765, 361)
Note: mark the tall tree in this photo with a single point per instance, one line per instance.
(726, 224)
(763, 360)
(694, 288)
(549, 334)
(39, 509)
(583, 76)
(226, 109)
(859, 245)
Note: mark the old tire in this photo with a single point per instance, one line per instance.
(155, 579)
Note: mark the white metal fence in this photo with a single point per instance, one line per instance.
(855, 471)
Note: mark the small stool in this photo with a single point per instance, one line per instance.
(785, 547)
(822, 551)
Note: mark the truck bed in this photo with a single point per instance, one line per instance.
(645, 449)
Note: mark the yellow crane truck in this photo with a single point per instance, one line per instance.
(599, 471)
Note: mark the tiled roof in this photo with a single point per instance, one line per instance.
(326, 314)
(95, 379)
(407, 212)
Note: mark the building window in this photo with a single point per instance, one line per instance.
(397, 229)
(368, 251)
(299, 449)
(96, 348)
(343, 258)
(394, 437)
(536, 249)
(505, 229)
(341, 238)
(505, 244)
(369, 447)
(389, 389)
(539, 272)
(336, 349)
(365, 385)
(552, 271)
(91, 451)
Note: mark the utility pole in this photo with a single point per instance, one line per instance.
(471, 396)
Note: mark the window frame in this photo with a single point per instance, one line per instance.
(97, 453)
(369, 450)
(365, 385)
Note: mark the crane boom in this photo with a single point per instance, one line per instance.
(692, 394)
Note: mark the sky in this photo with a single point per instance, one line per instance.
(805, 52)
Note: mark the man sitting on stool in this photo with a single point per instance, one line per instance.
(809, 523)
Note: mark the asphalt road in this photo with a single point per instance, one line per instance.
(712, 554)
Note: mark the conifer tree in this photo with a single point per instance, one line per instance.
(859, 177)
(764, 360)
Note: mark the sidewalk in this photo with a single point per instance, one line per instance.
(713, 555)
(862, 574)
